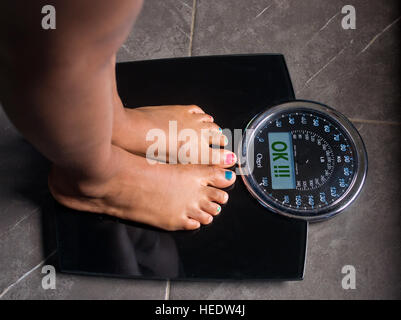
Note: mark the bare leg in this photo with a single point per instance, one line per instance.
(55, 86)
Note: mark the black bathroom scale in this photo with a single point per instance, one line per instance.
(248, 240)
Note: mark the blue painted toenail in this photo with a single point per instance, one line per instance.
(229, 175)
(220, 129)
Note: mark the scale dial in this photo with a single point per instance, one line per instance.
(313, 159)
(303, 160)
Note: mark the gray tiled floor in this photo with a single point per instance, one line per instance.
(355, 71)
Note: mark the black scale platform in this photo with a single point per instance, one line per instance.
(245, 241)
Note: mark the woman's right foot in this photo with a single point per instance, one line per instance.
(171, 197)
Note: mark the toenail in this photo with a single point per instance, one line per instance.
(210, 219)
(225, 197)
(220, 129)
(225, 140)
(230, 158)
(228, 174)
(218, 209)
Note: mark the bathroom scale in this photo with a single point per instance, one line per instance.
(298, 161)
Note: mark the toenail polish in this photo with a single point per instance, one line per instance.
(220, 129)
(228, 175)
(230, 158)
(218, 209)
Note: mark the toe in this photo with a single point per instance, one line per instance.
(201, 216)
(210, 207)
(203, 117)
(216, 137)
(195, 109)
(221, 157)
(216, 195)
(219, 177)
(191, 224)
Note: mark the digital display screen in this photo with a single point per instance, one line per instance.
(281, 160)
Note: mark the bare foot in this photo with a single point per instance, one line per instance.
(132, 126)
(171, 197)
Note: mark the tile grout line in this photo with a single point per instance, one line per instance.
(390, 123)
(191, 36)
(167, 293)
(4, 292)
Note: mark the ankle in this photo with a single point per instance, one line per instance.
(81, 183)
(120, 121)
(128, 125)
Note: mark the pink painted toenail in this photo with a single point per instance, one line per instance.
(230, 158)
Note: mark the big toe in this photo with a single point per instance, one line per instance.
(219, 177)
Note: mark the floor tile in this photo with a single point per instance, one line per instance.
(20, 249)
(161, 31)
(23, 186)
(326, 62)
(73, 287)
(23, 177)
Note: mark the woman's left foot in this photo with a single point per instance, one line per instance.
(132, 126)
